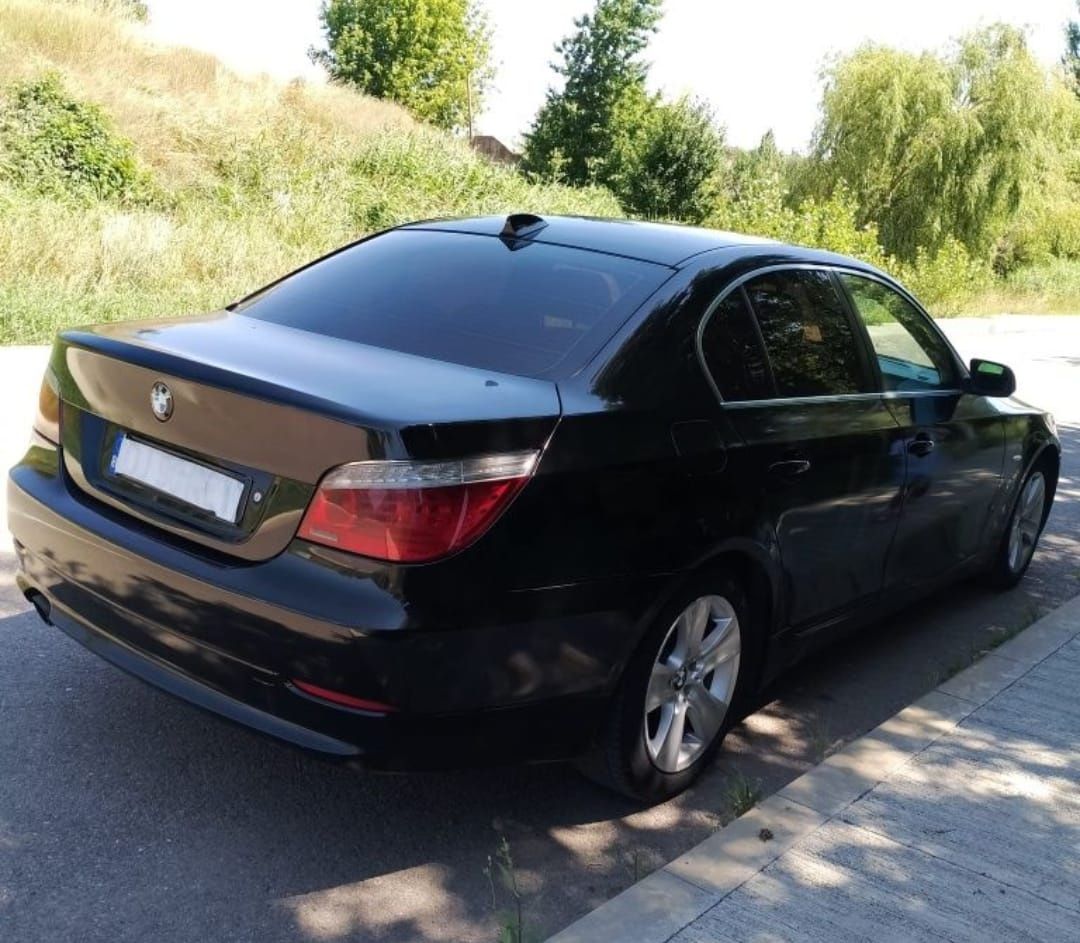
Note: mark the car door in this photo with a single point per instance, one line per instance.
(954, 441)
(821, 457)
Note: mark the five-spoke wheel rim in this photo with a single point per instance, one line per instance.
(692, 682)
(1026, 522)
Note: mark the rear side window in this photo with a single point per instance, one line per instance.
(733, 351)
(475, 300)
(808, 336)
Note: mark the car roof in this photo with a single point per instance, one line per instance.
(663, 243)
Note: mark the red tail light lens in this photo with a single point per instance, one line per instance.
(412, 512)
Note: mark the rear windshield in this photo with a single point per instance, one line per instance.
(465, 298)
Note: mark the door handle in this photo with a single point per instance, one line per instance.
(922, 444)
(789, 468)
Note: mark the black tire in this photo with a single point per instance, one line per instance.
(622, 761)
(1005, 569)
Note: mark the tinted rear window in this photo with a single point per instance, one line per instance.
(810, 341)
(733, 351)
(464, 298)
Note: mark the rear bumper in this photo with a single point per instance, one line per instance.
(229, 638)
(161, 675)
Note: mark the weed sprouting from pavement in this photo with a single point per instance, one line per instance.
(742, 794)
(501, 864)
(821, 743)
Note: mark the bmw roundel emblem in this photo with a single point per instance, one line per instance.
(161, 401)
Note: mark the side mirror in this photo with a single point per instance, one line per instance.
(991, 379)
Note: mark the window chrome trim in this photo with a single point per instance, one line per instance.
(961, 370)
(838, 398)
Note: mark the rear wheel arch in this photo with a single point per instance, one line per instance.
(749, 567)
(619, 758)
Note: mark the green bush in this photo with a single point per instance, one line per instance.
(947, 280)
(759, 209)
(944, 281)
(1054, 278)
(55, 145)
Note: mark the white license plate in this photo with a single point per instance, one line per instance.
(190, 482)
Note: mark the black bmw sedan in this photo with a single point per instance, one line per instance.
(491, 490)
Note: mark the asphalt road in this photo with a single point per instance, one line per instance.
(128, 816)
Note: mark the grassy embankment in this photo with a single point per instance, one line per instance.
(189, 185)
(236, 180)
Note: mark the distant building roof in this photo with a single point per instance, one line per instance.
(494, 149)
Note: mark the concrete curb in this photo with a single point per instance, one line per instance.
(656, 908)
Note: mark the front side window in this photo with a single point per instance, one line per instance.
(809, 338)
(910, 354)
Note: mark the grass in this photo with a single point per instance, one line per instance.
(1051, 287)
(741, 795)
(820, 741)
(250, 177)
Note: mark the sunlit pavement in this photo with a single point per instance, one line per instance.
(956, 819)
(126, 815)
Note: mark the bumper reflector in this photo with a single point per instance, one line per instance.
(342, 700)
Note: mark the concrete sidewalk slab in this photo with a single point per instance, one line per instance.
(958, 818)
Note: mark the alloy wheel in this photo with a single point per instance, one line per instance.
(1026, 523)
(692, 682)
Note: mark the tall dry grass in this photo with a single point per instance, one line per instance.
(251, 177)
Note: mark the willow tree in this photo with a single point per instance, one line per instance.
(934, 147)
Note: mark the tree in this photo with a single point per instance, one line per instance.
(1071, 59)
(603, 127)
(933, 147)
(673, 165)
(575, 134)
(432, 56)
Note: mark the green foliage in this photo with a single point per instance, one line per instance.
(659, 158)
(946, 279)
(672, 162)
(575, 137)
(57, 145)
(432, 56)
(756, 202)
(500, 866)
(275, 196)
(1052, 286)
(935, 147)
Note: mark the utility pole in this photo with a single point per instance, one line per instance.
(468, 94)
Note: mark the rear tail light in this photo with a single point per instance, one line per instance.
(47, 420)
(411, 512)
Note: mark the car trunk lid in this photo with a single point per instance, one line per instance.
(273, 408)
